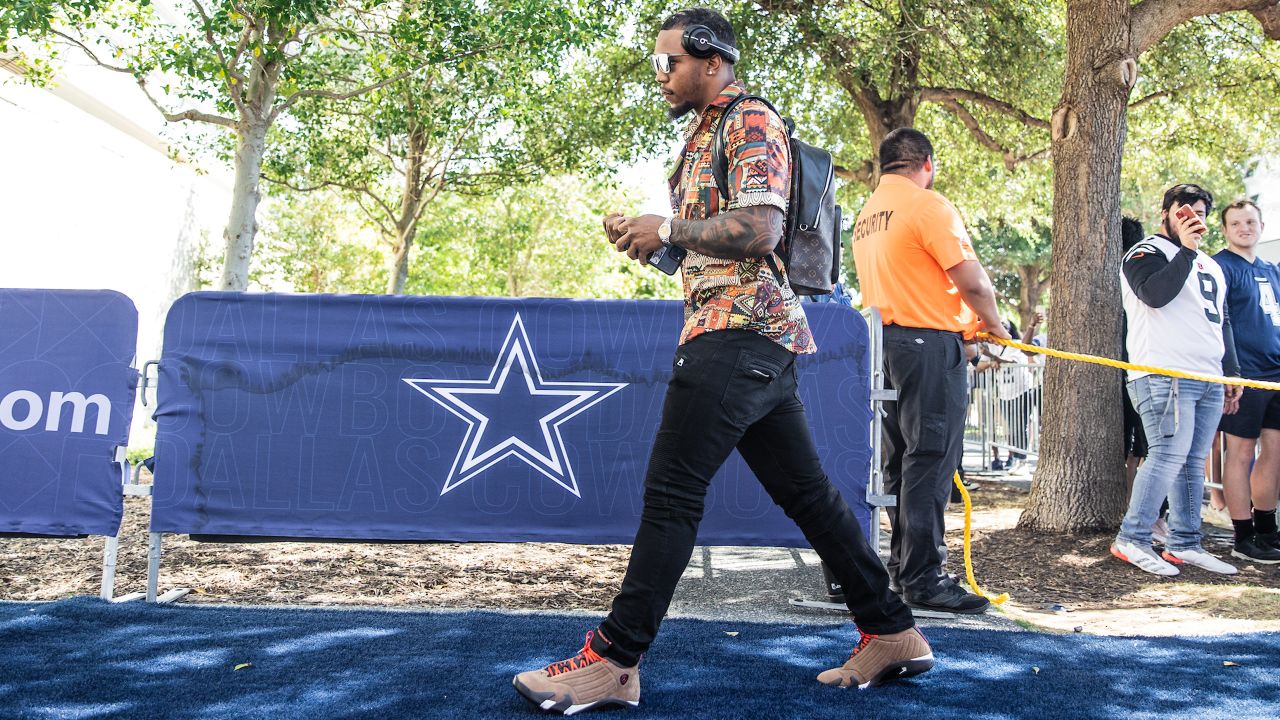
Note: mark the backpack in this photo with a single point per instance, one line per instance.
(810, 244)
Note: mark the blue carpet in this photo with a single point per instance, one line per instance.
(83, 658)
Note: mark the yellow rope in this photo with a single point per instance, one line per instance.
(968, 556)
(1064, 355)
(1221, 380)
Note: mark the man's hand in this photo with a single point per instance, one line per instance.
(639, 237)
(1030, 335)
(996, 330)
(611, 230)
(1231, 399)
(1188, 230)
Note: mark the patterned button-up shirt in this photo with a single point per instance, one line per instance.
(737, 294)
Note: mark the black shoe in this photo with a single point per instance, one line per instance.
(997, 465)
(951, 599)
(953, 578)
(1270, 539)
(1257, 548)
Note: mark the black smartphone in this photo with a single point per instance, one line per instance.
(668, 258)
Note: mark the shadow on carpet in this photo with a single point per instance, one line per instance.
(84, 658)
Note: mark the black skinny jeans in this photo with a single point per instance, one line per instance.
(736, 388)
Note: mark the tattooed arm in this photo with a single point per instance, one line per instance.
(741, 234)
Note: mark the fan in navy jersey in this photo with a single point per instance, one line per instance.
(1253, 285)
(1174, 300)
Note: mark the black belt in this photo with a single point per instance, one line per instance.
(935, 331)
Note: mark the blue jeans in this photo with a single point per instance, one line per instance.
(1179, 417)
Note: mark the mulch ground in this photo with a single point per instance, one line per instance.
(1039, 571)
(456, 575)
(1078, 571)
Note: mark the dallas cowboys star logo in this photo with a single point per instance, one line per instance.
(520, 419)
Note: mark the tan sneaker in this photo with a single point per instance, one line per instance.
(582, 682)
(881, 658)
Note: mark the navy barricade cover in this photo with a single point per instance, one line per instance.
(66, 400)
(463, 419)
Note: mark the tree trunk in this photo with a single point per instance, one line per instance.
(402, 243)
(242, 225)
(1031, 288)
(406, 226)
(1079, 481)
(251, 146)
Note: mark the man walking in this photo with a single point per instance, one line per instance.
(1252, 304)
(1174, 301)
(916, 264)
(733, 385)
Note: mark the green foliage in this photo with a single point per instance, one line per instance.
(806, 57)
(1008, 250)
(136, 455)
(544, 240)
(1218, 73)
(36, 18)
(1211, 86)
(318, 243)
(474, 119)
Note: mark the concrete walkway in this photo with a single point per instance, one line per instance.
(757, 584)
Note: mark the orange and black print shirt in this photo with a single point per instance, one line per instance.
(737, 294)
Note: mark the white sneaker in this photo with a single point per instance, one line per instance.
(1200, 559)
(1160, 531)
(1216, 516)
(1144, 558)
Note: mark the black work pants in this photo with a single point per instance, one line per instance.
(924, 444)
(736, 388)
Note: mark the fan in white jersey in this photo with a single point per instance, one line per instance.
(1174, 299)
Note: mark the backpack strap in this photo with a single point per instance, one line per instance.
(720, 166)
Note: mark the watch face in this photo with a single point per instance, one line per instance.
(664, 230)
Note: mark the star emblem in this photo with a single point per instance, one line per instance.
(513, 412)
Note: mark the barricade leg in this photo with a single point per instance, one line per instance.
(153, 565)
(111, 551)
(109, 567)
(153, 573)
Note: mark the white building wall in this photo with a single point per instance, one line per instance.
(91, 199)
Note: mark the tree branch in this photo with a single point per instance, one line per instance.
(92, 56)
(862, 173)
(1168, 92)
(1151, 20)
(232, 75)
(357, 189)
(984, 139)
(190, 114)
(943, 95)
(348, 94)
(1269, 19)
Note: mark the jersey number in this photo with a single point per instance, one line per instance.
(1267, 301)
(1209, 289)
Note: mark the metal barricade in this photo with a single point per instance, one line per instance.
(876, 496)
(1005, 404)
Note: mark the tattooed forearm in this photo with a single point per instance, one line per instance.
(741, 234)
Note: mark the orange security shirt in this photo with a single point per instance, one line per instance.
(904, 241)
